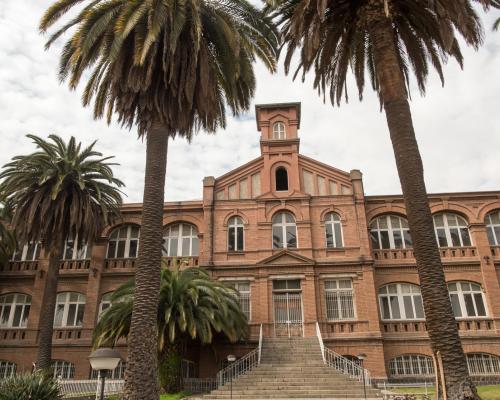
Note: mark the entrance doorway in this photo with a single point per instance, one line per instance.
(287, 308)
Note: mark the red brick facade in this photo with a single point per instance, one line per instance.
(310, 191)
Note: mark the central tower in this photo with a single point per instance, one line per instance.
(279, 144)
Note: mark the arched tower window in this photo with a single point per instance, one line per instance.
(281, 179)
(284, 231)
(279, 131)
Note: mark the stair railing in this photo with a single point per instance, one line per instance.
(241, 366)
(342, 364)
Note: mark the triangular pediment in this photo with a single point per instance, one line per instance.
(286, 257)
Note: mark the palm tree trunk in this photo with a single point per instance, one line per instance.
(441, 324)
(141, 379)
(44, 359)
(169, 369)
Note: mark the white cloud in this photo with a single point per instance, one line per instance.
(458, 126)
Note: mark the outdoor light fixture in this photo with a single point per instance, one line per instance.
(361, 357)
(231, 358)
(104, 360)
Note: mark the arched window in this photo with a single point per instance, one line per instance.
(105, 302)
(27, 252)
(281, 179)
(390, 232)
(493, 227)
(284, 231)
(7, 369)
(180, 240)
(333, 231)
(74, 252)
(235, 239)
(483, 364)
(451, 230)
(117, 373)
(63, 369)
(467, 299)
(401, 301)
(411, 365)
(279, 131)
(124, 242)
(70, 307)
(14, 310)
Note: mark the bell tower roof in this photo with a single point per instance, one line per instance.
(264, 113)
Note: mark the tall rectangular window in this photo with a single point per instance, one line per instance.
(321, 186)
(256, 185)
(244, 295)
(308, 182)
(339, 299)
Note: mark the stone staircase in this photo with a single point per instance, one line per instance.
(293, 369)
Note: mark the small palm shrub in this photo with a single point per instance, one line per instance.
(29, 387)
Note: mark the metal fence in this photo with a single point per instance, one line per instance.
(199, 385)
(75, 388)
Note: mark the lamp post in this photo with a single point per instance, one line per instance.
(231, 359)
(103, 360)
(362, 357)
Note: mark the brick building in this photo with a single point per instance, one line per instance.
(304, 245)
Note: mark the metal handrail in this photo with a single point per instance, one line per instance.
(260, 344)
(341, 363)
(246, 363)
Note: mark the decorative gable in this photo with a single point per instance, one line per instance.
(286, 258)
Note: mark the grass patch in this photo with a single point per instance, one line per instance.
(486, 392)
(175, 396)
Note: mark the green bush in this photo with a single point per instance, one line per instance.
(29, 387)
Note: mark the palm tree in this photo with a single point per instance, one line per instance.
(169, 68)
(192, 305)
(60, 191)
(392, 40)
(7, 236)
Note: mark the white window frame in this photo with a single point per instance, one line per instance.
(337, 294)
(243, 293)
(127, 240)
(78, 253)
(192, 235)
(67, 368)
(235, 223)
(490, 226)
(24, 252)
(64, 299)
(412, 365)
(460, 292)
(402, 229)
(461, 223)
(279, 131)
(333, 219)
(105, 303)
(283, 224)
(414, 292)
(19, 300)
(7, 369)
(481, 364)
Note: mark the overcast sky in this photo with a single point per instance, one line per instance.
(458, 126)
